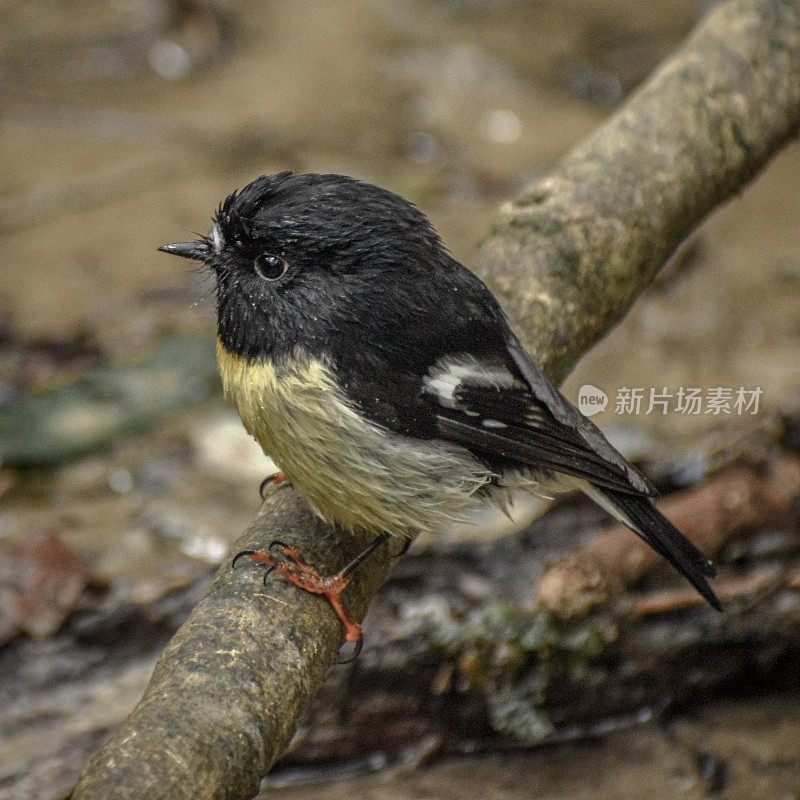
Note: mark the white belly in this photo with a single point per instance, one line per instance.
(502, 513)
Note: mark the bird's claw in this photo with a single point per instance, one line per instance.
(358, 646)
(249, 554)
(291, 566)
(277, 479)
(267, 572)
(241, 554)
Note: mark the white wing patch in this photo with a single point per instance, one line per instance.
(447, 374)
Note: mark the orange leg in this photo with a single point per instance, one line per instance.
(295, 569)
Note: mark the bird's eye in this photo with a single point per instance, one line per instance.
(270, 267)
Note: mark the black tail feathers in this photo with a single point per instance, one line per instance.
(667, 540)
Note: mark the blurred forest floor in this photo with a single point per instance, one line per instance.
(125, 124)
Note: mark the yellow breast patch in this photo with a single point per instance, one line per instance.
(351, 471)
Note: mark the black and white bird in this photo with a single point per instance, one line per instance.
(383, 378)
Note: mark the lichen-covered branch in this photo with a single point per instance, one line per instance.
(568, 257)
(599, 226)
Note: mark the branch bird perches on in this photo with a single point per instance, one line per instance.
(568, 258)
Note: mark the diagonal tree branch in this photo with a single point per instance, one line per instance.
(568, 257)
(599, 226)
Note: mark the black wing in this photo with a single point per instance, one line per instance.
(502, 407)
(570, 419)
(516, 415)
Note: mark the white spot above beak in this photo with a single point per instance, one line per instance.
(216, 239)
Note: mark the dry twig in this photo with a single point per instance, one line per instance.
(739, 499)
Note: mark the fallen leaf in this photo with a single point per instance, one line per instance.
(41, 581)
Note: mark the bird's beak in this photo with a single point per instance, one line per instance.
(199, 250)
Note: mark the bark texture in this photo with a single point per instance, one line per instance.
(568, 257)
(598, 227)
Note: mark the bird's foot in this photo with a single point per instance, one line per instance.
(292, 567)
(278, 479)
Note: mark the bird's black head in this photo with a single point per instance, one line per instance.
(303, 259)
